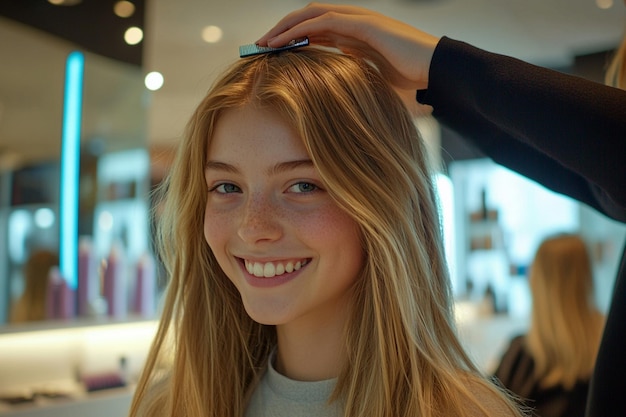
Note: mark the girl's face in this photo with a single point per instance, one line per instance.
(289, 249)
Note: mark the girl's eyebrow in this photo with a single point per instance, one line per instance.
(276, 169)
(220, 166)
(290, 165)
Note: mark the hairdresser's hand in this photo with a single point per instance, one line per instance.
(402, 52)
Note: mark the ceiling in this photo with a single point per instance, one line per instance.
(545, 32)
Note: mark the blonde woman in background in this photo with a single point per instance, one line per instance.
(565, 132)
(31, 306)
(551, 366)
(616, 71)
(301, 234)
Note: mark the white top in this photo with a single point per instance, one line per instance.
(278, 396)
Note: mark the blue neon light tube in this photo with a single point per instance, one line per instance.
(70, 168)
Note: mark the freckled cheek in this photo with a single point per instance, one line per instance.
(331, 225)
(216, 227)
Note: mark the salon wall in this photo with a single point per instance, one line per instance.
(113, 178)
(55, 367)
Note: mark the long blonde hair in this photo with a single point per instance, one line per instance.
(616, 72)
(566, 327)
(404, 358)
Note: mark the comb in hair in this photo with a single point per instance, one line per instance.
(253, 49)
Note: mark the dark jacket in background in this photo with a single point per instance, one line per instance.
(515, 372)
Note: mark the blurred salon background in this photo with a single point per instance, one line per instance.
(94, 95)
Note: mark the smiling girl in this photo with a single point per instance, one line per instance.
(302, 239)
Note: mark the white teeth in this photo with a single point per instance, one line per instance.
(270, 269)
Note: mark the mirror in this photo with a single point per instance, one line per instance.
(114, 174)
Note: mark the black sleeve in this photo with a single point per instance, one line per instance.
(515, 370)
(565, 132)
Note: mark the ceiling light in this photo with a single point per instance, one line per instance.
(211, 34)
(133, 35)
(65, 2)
(604, 4)
(124, 8)
(153, 81)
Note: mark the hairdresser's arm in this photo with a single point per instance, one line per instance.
(565, 132)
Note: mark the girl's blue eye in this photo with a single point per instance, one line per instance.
(302, 187)
(226, 188)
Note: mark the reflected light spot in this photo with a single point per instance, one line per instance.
(133, 35)
(604, 4)
(153, 81)
(211, 34)
(44, 218)
(124, 9)
(19, 228)
(105, 221)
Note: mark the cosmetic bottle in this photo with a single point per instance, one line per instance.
(52, 293)
(145, 285)
(114, 284)
(88, 283)
(60, 300)
(66, 301)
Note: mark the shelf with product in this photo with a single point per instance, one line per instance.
(113, 402)
(59, 370)
(500, 219)
(487, 257)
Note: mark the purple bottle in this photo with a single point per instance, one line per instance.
(145, 286)
(88, 283)
(114, 285)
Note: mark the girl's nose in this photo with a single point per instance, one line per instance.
(260, 221)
